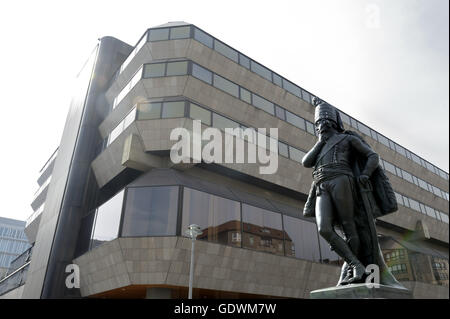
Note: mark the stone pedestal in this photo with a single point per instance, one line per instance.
(361, 291)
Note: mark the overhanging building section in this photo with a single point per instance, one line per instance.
(116, 205)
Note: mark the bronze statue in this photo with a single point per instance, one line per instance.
(349, 191)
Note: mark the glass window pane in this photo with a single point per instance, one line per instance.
(262, 230)
(107, 220)
(444, 217)
(226, 50)
(154, 70)
(389, 167)
(149, 111)
(400, 150)
(414, 204)
(199, 113)
(290, 87)
(345, 118)
(296, 154)
(180, 32)
(202, 37)
(246, 96)
(159, 34)
(364, 129)
(310, 128)
(280, 113)
(283, 149)
(177, 68)
(306, 96)
(218, 218)
(201, 73)
(151, 211)
(244, 61)
(225, 85)
(422, 184)
(263, 104)
(383, 140)
(399, 198)
(115, 133)
(260, 70)
(295, 120)
(407, 176)
(430, 211)
(277, 79)
(300, 239)
(222, 122)
(173, 109)
(129, 118)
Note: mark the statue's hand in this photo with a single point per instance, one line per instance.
(363, 179)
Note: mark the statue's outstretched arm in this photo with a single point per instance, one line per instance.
(366, 150)
(309, 160)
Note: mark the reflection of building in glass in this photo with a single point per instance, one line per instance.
(111, 201)
(13, 242)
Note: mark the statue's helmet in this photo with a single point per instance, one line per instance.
(327, 111)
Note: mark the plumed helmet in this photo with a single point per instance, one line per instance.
(327, 111)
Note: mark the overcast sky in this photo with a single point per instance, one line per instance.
(384, 62)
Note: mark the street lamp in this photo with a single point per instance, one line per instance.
(193, 231)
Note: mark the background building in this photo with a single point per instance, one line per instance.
(13, 242)
(117, 206)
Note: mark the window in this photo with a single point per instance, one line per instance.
(218, 218)
(280, 113)
(292, 88)
(173, 109)
(277, 79)
(263, 104)
(222, 122)
(159, 34)
(383, 140)
(225, 85)
(244, 61)
(149, 111)
(226, 51)
(345, 118)
(364, 129)
(151, 211)
(295, 120)
(202, 37)
(265, 225)
(296, 154)
(107, 220)
(177, 68)
(306, 96)
(414, 204)
(154, 70)
(300, 239)
(389, 167)
(283, 149)
(260, 70)
(310, 128)
(246, 96)
(201, 73)
(199, 113)
(180, 33)
(399, 198)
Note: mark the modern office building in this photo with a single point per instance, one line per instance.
(13, 242)
(118, 207)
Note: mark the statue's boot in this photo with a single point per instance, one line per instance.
(344, 277)
(357, 268)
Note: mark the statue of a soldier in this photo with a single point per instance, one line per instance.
(349, 190)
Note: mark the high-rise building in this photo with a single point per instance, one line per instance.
(13, 242)
(117, 206)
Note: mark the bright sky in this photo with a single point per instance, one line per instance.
(384, 62)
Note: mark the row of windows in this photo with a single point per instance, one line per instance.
(414, 179)
(421, 208)
(5, 260)
(398, 269)
(393, 255)
(10, 232)
(154, 211)
(175, 109)
(13, 246)
(439, 265)
(184, 67)
(184, 32)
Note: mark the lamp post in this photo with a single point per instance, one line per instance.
(193, 231)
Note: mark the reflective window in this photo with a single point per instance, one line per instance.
(173, 109)
(246, 96)
(218, 218)
(295, 120)
(107, 220)
(399, 198)
(301, 239)
(407, 176)
(414, 204)
(430, 211)
(244, 61)
(199, 113)
(149, 111)
(345, 118)
(280, 113)
(444, 217)
(310, 128)
(222, 122)
(296, 154)
(225, 85)
(263, 104)
(177, 68)
(260, 70)
(277, 79)
(159, 34)
(383, 140)
(364, 129)
(201, 73)
(389, 167)
(290, 87)
(400, 150)
(283, 149)
(226, 51)
(202, 37)
(151, 211)
(154, 70)
(306, 96)
(262, 230)
(180, 33)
